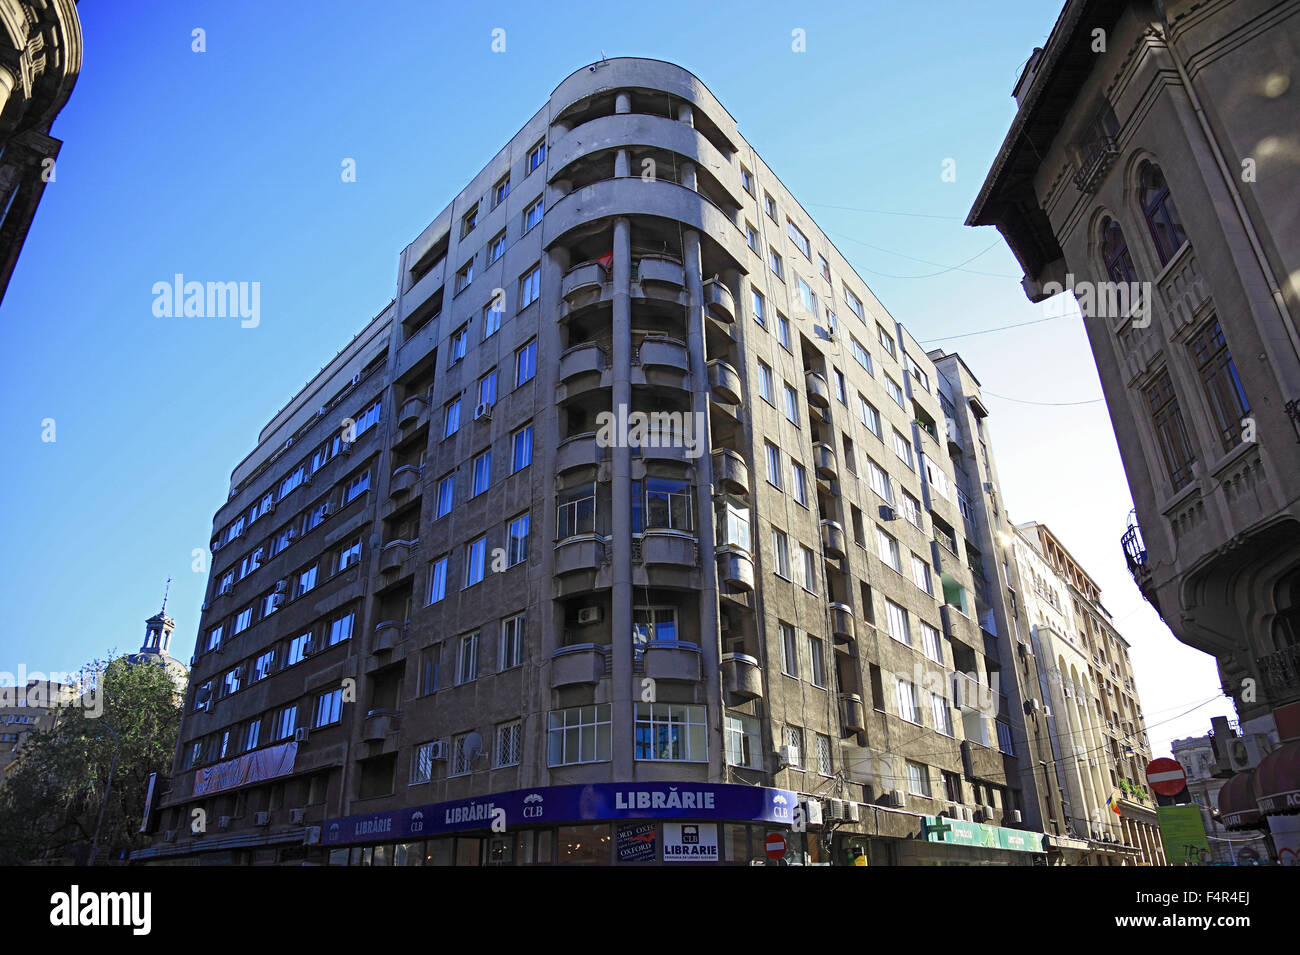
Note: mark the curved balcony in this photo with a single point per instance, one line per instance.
(725, 382)
(719, 301)
(583, 284)
(853, 715)
(578, 664)
(742, 676)
(634, 196)
(379, 725)
(672, 660)
(668, 547)
(411, 411)
(579, 554)
(653, 271)
(579, 451)
(834, 544)
(388, 634)
(819, 393)
(842, 626)
(730, 472)
(824, 460)
(405, 479)
(663, 352)
(394, 555)
(585, 359)
(735, 568)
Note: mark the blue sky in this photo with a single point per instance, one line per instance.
(225, 166)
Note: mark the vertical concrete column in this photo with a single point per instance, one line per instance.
(623, 102)
(710, 631)
(621, 497)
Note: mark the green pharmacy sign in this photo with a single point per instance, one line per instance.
(958, 833)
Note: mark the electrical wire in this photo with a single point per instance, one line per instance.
(1047, 404)
(989, 331)
(886, 212)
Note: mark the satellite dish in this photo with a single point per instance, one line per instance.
(473, 746)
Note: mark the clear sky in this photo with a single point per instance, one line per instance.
(225, 166)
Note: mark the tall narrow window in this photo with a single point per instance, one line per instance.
(1171, 433)
(1114, 253)
(1162, 216)
(1223, 391)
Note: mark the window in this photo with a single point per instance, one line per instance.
(356, 487)
(469, 221)
(522, 449)
(580, 734)
(487, 388)
(769, 206)
(526, 363)
(446, 493)
(792, 405)
(1167, 419)
(497, 247)
(530, 287)
(887, 547)
(576, 511)
(422, 764)
(781, 553)
(760, 315)
(536, 155)
(805, 570)
(437, 580)
(799, 239)
(918, 779)
(512, 642)
(773, 459)
(825, 766)
(911, 509)
(905, 693)
(481, 473)
(855, 303)
(869, 415)
(517, 541)
(349, 555)
(214, 638)
(817, 661)
(794, 740)
(1162, 216)
(896, 622)
(921, 575)
(298, 648)
(1004, 737)
(475, 555)
(743, 741)
(783, 331)
(859, 529)
(460, 755)
(751, 237)
(293, 479)
(429, 671)
(778, 264)
(232, 681)
(652, 624)
(824, 267)
(860, 354)
(789, 650)
(746, 180)
(837, 377)
(903, 448)
(492, 317)
(286, 722)
(451, 418)
(341, 629)
(500, 191)
(467, 659)
(250, 563)
(329, 708)
(533, 214)
(464, 276)
(459, 343)
(510, 743)
(807, 297)
(887, 340)
(1223, 391)
(263, 665)
(252, 735)
(895, 390)
(765, 381)
(668, 504)
(930, 644)
(671, 731)
(1114, 253)
(243, 619)
(800, 483)
(880, 481)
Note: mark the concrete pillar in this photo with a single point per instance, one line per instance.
(623, 102)
(621, 689)
(710, 633)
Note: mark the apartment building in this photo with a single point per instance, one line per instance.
(26, 709)
(628, 532)
(1144, 171)
(1100, 744)
(40, 59)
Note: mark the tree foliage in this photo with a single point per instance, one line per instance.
(52, 794)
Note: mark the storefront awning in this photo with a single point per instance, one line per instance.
(1237, 806)
(1277, 780)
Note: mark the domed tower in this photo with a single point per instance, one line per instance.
(157, 640)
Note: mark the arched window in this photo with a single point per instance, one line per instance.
(1161, 214)
(1114, 252)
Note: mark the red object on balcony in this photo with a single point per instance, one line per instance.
(606, 261)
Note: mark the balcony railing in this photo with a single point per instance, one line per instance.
(1095, 163)
(1281, 671)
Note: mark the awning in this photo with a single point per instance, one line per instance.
(1277, 780)
(1237, 806)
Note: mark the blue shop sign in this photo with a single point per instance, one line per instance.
(561, 804)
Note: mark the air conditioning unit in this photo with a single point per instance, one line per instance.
(588, 615)
(288, 443)
(281, 586)
(986, 814)
(483, 411)
(277, 600)
(1245, 752)
(812, 811)
(169, 835)
(1047, 712)
(300, 734)
(887, 513)
(834, 810)
(323, 411)
(297, 816)
(851, 808)
(438, 749)
(897, 798)
(953, 812)
(788, 755)
(1069, 693)
(223, 822)
(262, 819)
(967, 814)
(1017, 816)
(356, 379)
(326, 509)
(346, 447)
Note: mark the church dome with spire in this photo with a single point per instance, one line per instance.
(155, 649)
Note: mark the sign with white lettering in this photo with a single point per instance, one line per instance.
(690, 842)
(636, 843)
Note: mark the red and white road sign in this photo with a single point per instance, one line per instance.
(774, 845)
(1166, 776)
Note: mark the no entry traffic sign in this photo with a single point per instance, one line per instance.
(1166, 776)
(774, 845)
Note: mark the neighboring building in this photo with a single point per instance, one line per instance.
(444, 595)
(40, 59)
(1205, 780)
(25, 709)
(1100, 743)
(1150, 169)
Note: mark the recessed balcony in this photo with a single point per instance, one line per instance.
(580, 663)
(583, 284)
(742, 676)
(579, 451)
(394, 554)
(663, 352)
(725, 382)
(672, 660)
(411, 411)
(834, 544)
(405, 479)
(735, 568)
(824, 460)
(719, 302)
(587, 359)
(668, 548)
(853, 715)
(579, 553)
(842, 626)
(730, 473)
(379, 725)
(819, 393)
(388, 634)
(660, 272)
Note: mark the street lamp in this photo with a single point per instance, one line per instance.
(108, 786)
